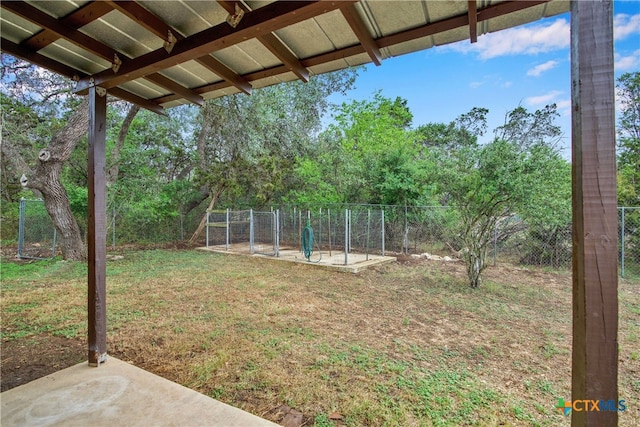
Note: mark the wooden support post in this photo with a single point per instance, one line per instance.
(595, 240)
(96, 228)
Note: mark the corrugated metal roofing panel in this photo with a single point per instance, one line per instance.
(145, 88)
(76, 57)
(319, 34)
(391, 17)
(247, 57)
(335, 27)
(308, 38)
(191, 74)
(57, 9)
(187, 17)
(122, 34)
(16, 29)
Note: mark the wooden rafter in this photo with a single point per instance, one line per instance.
(362, 33)
(386, 41)
(81, 17)
(230, 76)
(273, 43)
(254, 24)
(20, 51)
(158, 27)
(57, 29)
(473, 21)
(282, 52)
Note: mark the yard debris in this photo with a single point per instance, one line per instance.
(432, 257)
(335, 416)
(293, 419)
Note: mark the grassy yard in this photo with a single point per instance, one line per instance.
(403, 344)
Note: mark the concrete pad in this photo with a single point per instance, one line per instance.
(115, 394)
(335, 261)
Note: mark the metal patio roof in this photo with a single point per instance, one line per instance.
(159, 54)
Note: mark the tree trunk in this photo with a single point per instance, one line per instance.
(203, 221)
(12, 168)
(114, 169)
(46, 179)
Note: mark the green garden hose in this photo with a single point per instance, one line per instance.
(308, 241)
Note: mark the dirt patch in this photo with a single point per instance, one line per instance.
(29, 359)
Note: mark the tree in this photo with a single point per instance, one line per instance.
(489, 182)
(46, 178)
(368, 155)
(247, 145)
(628, 141)
(44, 141)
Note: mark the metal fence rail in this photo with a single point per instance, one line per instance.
(370, 229)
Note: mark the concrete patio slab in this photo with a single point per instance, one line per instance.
(115, 394)
(334, 260)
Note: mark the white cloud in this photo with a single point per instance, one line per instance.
(629, 62)
(545, 99)
(526, 40)
(625, 25)
(564, 107)
(539, 69)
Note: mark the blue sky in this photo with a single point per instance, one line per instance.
(528, 65)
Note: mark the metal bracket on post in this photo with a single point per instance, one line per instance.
(170, 42)
(117, 62)
(234, 20)
(102, 358)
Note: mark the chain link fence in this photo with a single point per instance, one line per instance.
(373, 229)
(629, 241)
(36, 232)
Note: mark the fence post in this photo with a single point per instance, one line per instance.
(622, 242)
(406, 231)
(251, 231)
(495, 243)
(277, 232)
(227, 231)
(368, 230)
(349, 229)
(113, 228)
(181, 225)
(21, 228)
(346, 236)
(382, 216)
(206, 228)
(329, 223)
(319, 237)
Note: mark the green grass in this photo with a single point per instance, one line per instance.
(394, 346)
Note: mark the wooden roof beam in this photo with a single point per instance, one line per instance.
(473, 21)
(386, 41)
(35, 58)
(362, 33)
(273, 43)
(77, 19)
(230, 76)
(254, 24)
(57, 28)
(282, 52)
(158, 27)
